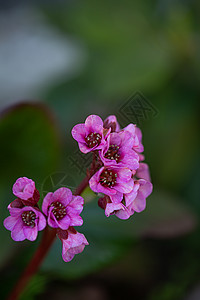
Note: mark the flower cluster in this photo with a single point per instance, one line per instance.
(60, 210)
(119, 172)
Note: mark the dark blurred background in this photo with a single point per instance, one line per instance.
(63, 60)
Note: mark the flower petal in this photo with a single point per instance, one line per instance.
(76, 221)
(123, 214)
(139, 204)
(84, 148)
(115, 139)
(116, 198)
(24, 188)
(146, 187)
(112, 207)
(79, 132)
(130, 197)
(111, 122)
(30, 232)
(123, 175)
(77, 203)
(15, 212)
(106, 190)
(63, 195)
(94, 124)
(48, 199)
(125, 187)
(17, 233)
(143, 172)
(64, 223)
(41, 221)
(51, 220)
(74, 244)
(10, 222)
(94, 180)
(131, 160)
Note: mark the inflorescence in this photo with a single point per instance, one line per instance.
(118, 175)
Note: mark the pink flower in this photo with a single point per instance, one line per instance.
(135, 201)
(111, 208)
(24, 189)
(63, 209)
(73, 243)
(112, 181)
(24, 223)
(90, 135)
(119, 210)
(111, 122)
(137, 135)
(118, 151)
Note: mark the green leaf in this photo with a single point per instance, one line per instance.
(29, 147)
(29, 143)
(35, 287)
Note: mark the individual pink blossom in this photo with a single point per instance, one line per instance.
(137, 135)
(111, 122)
(118, 151)
(63, 209)
(24, 189)
(90, 135)
(113, 208)
(73, 243)
(135, 201)
(24, 223)
(112, 181)
(119, 210)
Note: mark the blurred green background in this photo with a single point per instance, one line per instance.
(63, 60)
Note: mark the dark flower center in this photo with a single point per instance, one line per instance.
(108, 178)
(112, 153)
(93, 139)
(59, 210)
(28, 217)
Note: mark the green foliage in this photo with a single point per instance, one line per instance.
(29, 147)
(34, 288)
(30, 143)
(152, 47)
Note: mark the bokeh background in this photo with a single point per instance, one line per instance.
(63, 60)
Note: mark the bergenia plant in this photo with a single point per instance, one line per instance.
(117, 175)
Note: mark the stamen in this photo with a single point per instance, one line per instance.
(112, 153)
(108, 178)
(28, 218)
(59, 210)
(93, 139)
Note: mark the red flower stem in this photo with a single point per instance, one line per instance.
(82, 186)
(47, 240)
(85, 181)
(38, 257)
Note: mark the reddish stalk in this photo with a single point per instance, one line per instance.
(82, 186)
(38, 257)
(90, 172)
(47, 240)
